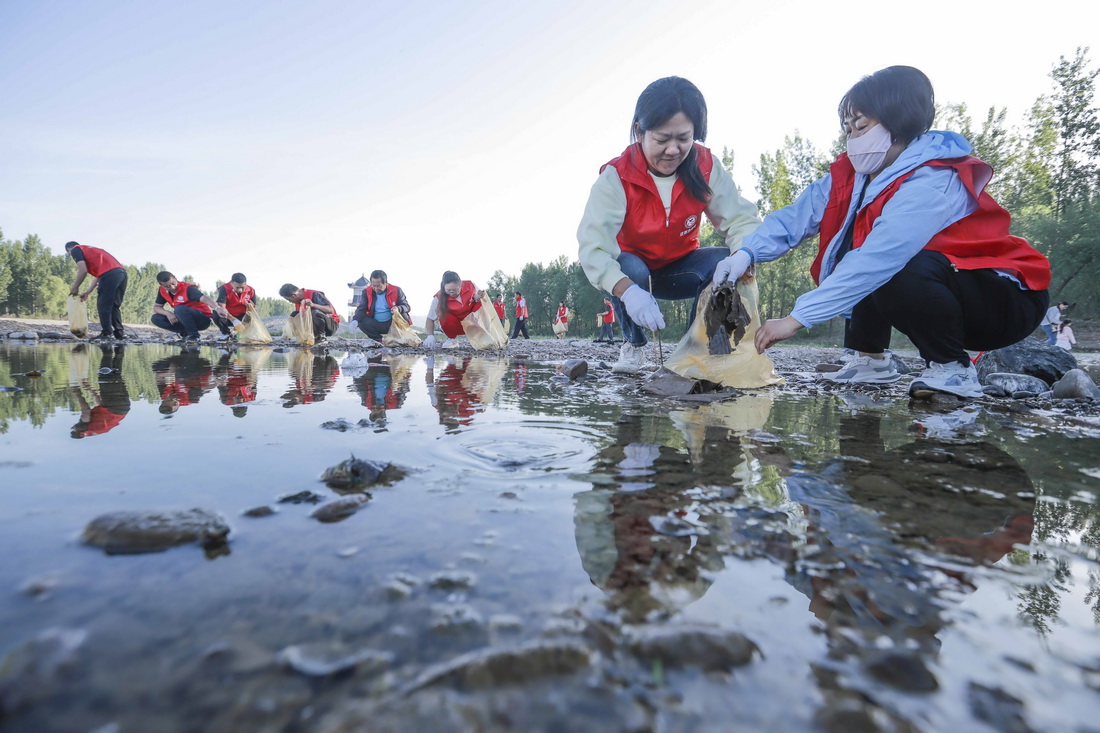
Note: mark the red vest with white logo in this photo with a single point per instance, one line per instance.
(499, 307)
(462, 306)
(646, 231)
(975, 242)
(391, 298)
(237, 304)
(563, 314)
(521, 308)
(180, 298)
(97, 261)
(308, 295)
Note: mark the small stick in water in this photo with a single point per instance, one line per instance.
(660, 347)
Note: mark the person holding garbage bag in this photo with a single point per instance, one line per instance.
(909, 239)
(191, 310)
(235, 296)
(109, 277)
(374, 314)
(325, 318)
(639, 237)
(460, 307)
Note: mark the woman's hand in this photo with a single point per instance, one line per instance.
(642, 308)
(774, 330)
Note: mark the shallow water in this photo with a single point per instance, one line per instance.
(898, 568)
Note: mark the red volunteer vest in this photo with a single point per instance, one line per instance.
(521, 308)
(646, 231)
(464, 305)
(180, 298)
(238, 304)
(102, 421)
(391, 297)
(499, 307)
(563, 315)
(308, 295)
(609, 317)
(975, 242)
(97, 261)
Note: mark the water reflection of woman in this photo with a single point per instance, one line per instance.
(112, 401)
(182, 379)
(463, 387)
(383, 386)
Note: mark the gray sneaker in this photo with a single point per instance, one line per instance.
(866, 370)
(953, 378)
(631, 359)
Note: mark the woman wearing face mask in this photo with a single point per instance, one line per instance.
(909, 239)
(641, 226)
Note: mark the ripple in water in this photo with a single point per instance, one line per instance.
(535, 447)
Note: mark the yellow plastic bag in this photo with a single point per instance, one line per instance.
(483, 329)
(300, 327)
(400, 333)
(253, 330)
(560, 328)
(742, 368)
(78, 317)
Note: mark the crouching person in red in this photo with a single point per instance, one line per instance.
(234, 296)
(456, 299)
(325, 318)
(190, 312)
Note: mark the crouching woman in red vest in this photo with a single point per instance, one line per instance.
(641, 225)
(189, 310)
(909, 239)
(456, 299)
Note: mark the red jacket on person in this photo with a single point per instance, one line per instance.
(238, 304)
(451, 311)
(658, 239)
(308, 295)
(521, 308)
(975, 242)
(98, 261)
(180, 298)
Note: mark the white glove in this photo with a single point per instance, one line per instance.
(429, 343)
(354, 324)
(732, 267)
(642, 308)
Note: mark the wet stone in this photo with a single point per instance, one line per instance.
(710, 649)
(994, 706)
(327, 659)
(455, 617)
(574, 368)
(136, 531)
(341, 425)
(300, 497)
(355, 474)
(453, 580)
(1013, 383)
(901, 670)
(1029, 357)
(1076, 384)
(36, 666)
(259, 511)
(341, 508)
(492, 668)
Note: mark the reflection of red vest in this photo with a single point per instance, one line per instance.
(464, 305)
(237, 304)
(180, 298)
(238, 390)
(308, 295)
(177, 389)
(97, 261)
(646, 231)
(975, 242)
(102, 421)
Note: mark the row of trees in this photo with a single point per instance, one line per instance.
(35, 282)
(1047, 176)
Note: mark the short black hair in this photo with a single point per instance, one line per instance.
(70, 245)
(379, 275)
(287, 290)
(164, 276)
(519, 293)
(899, 97)
(238, 278)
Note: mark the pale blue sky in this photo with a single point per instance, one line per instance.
(312, 142)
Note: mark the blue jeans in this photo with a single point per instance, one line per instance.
(189, 321)
(1052, 335)
(684, 278)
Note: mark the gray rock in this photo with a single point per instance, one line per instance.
(493, 668)
(710, 649)
(453, 580)
(34, 667)
(341, 508)
(574, 368)
(155, 531)
(1031, 357)
(1076, 383)
(355, 474)
(259, 511)
(1013, 383)
(901, 670)
(669, 384)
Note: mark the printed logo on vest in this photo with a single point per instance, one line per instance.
(690, 222)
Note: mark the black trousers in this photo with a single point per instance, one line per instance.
(521, 325)
(189, 321)
(945, 311)
(112, 289)
(374, 328)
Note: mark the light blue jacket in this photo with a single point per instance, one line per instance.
(928, 202)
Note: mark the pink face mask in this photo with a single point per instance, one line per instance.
(868, 151)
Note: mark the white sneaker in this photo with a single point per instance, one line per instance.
(631, 359)
(866, 370)
(953, 378)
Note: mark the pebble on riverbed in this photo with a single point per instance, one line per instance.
(355, 474)
(155, 531)
(341, 508)
(710, 649)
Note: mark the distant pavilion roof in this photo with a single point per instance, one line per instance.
(360, 283)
